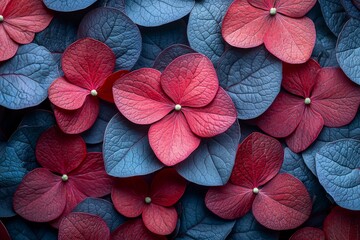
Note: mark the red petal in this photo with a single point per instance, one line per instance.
(17, 34)
(4, 5)
(87, 63)
(4, 235)
(59, 152)
(40, 197)
(291, 40)
(92, 173)
(105, 90)
(134, 230)
(294, 8)
(229, 201)
(190, 80)
(263, 4)
(214, 118)
(307, 233)
(342, 224)
(283, 116)
(245, 26)
(258, 159)
(160, 220)
(8, 47)
(80, 120)
(167, 187)
(139, 97)
(172, 140)
(307, 131)
(83, 226)
(128, 196)
(66, 95)
(283, 203)
(300, 79)
(335, 97)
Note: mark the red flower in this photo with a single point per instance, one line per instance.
(133, 197)
(19, 21)
(279, 24)
(313, 97)
(68, 175)
(183, 104)
(134, 229)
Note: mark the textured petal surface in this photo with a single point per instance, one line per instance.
(17, 34)
(8, 47)
(308, 233)
(294, 8)
(105, 91)
(134, 230)
(160, 220)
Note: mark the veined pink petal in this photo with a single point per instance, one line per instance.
(160, 220)
(294, 8)
(8, 47)
(18, 35)
(134, 229)
(262, 4)
(3, 6)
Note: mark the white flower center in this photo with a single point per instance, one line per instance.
(256, 190)
(177, 107)
(307, 101)
(64, 177)
(94, 93)
(1, 18)
(272, 11)
(148, 200)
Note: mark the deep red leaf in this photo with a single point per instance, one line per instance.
(8, 47)
(105, 90)
(308, 233)
(4, 235)
(342, 224)
(160, 220)
(134, 230)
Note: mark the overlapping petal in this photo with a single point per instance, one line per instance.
(294, 8)
(134, 230)
(8, 47)
(17, 34)
(105, 91)
(160, 220)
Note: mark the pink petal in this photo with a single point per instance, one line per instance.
(258, 159)
(40, 196)
(167, 187)
(66, 95)
(190, 80)
(105, 90)
(128, 196)
(229, 201)
(283, 116)
(214, 118)
(3, 6)
(80, 120)
(172, 140)
(134, 230)
(335, 97)
(8, 47)
(83, 226)
(91, 172)
(160, 220)
(59, 152)
(18, 35)
(262, 4)
(291, 40)
(300, 79)
(283, 203)
(245, 26)
(307, 233)
(307, 131)
(294, 8)
(139, 97)
(87, 63)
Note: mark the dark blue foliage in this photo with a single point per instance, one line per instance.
(204, 27)
(68, 5)
(152, 13)
(103, 209)
(252, 78)
(118, 4)
(126, 149)
(348, 50)
(334, 15)
(38, 118)
(350, 8)
(94, 147)
(115, 29)
(212, 162)
(25, 79)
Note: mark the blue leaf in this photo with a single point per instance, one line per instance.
(252, 78)
(350, 8)
(68, 5)
(38, 118)
(197, 222)
(118, 4)
(103, 209)
(25, 79)
(248, 228)
(348, 50)
(204, 28)
(212, 162)
(334, 15)
(152, 13)
(115, 29)
(127, 150)
(338, 170)
(155, 40)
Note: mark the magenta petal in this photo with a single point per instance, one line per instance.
(172, 139)
(139, 97)
(294, 8)
(66, 95)
(87, 63)
(214, 118)
(307, 233)
(40, 197)
(335, 97)
(160, 220)
(190, 80)
(258, 159)
(134, 230)
(3, 5)
(59, 152)
(8, 47)
(83, 226)
(229, 201)
(283, 203)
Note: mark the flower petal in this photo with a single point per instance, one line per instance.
(307, 233)
(262, 4)
(160, 220)
(8, 47)
(66, 95)
(172, 139)
(229, 201)
(245, 26)
(139, 97)
(105, 90)
(213, 119)
(294, 8)
(18, 35)
(291, 40)
(190, 80)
